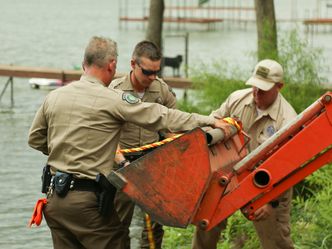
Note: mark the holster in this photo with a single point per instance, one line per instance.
(62, 182)
(106, 196)
(46, 179)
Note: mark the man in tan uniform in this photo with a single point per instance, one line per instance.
(143, 83)
(78, 127)
(263, 111)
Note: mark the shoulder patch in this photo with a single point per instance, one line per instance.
(171, 90)
(131, 99)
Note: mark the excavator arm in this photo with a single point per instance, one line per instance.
(203, 177)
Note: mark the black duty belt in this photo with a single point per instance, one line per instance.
(84, 185)
(63, 182)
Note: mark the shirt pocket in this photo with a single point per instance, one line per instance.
(268, 131)
(262, 137)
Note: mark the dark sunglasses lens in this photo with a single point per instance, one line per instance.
(149, 72)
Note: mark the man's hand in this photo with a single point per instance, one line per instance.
(263, 212)
(119, 158)
(226, 127)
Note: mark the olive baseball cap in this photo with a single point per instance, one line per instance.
(266, 74)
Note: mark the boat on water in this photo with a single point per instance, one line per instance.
(38, 83)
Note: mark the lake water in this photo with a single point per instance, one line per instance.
(49, 33)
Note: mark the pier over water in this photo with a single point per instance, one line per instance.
(66, 76)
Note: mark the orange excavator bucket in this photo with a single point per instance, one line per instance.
(170, 182)
(202, 177)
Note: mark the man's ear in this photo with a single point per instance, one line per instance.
(132, 63)
(280, 85)
(112, 66)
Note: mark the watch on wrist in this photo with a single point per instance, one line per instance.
(122, 163)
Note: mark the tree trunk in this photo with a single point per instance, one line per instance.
(266, 29)
(155, 24)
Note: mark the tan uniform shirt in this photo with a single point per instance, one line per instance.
(259, 127)
(78, 126)
(158, 92)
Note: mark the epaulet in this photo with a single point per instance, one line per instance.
(161, 81)
(117, 82)
(164, 84)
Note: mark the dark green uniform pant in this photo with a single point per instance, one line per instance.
(75, 223)
(273, 233)
(125, 209)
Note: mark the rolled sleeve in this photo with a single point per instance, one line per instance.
(38, 132)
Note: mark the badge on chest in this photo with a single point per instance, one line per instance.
(269, 130)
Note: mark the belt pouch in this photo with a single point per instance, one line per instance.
(106, 196)
(62, 182)
(46, 179)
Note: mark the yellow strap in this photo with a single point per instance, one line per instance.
(150, 232)
(149, 146)
(234, 122)
(229, 120)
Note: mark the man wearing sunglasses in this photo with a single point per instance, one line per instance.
(143, 83)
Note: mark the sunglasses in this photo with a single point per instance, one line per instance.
(148, 72)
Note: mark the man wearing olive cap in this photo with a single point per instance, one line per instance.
(263, 111)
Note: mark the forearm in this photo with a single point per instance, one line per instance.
(156, 117)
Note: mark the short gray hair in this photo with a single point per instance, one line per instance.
(100, 51)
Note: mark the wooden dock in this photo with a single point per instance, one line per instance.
(195, 20)
(314, 25)
(39, 72)
(212, 8)
(71, 75)
(66, 76)
(318, 21)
